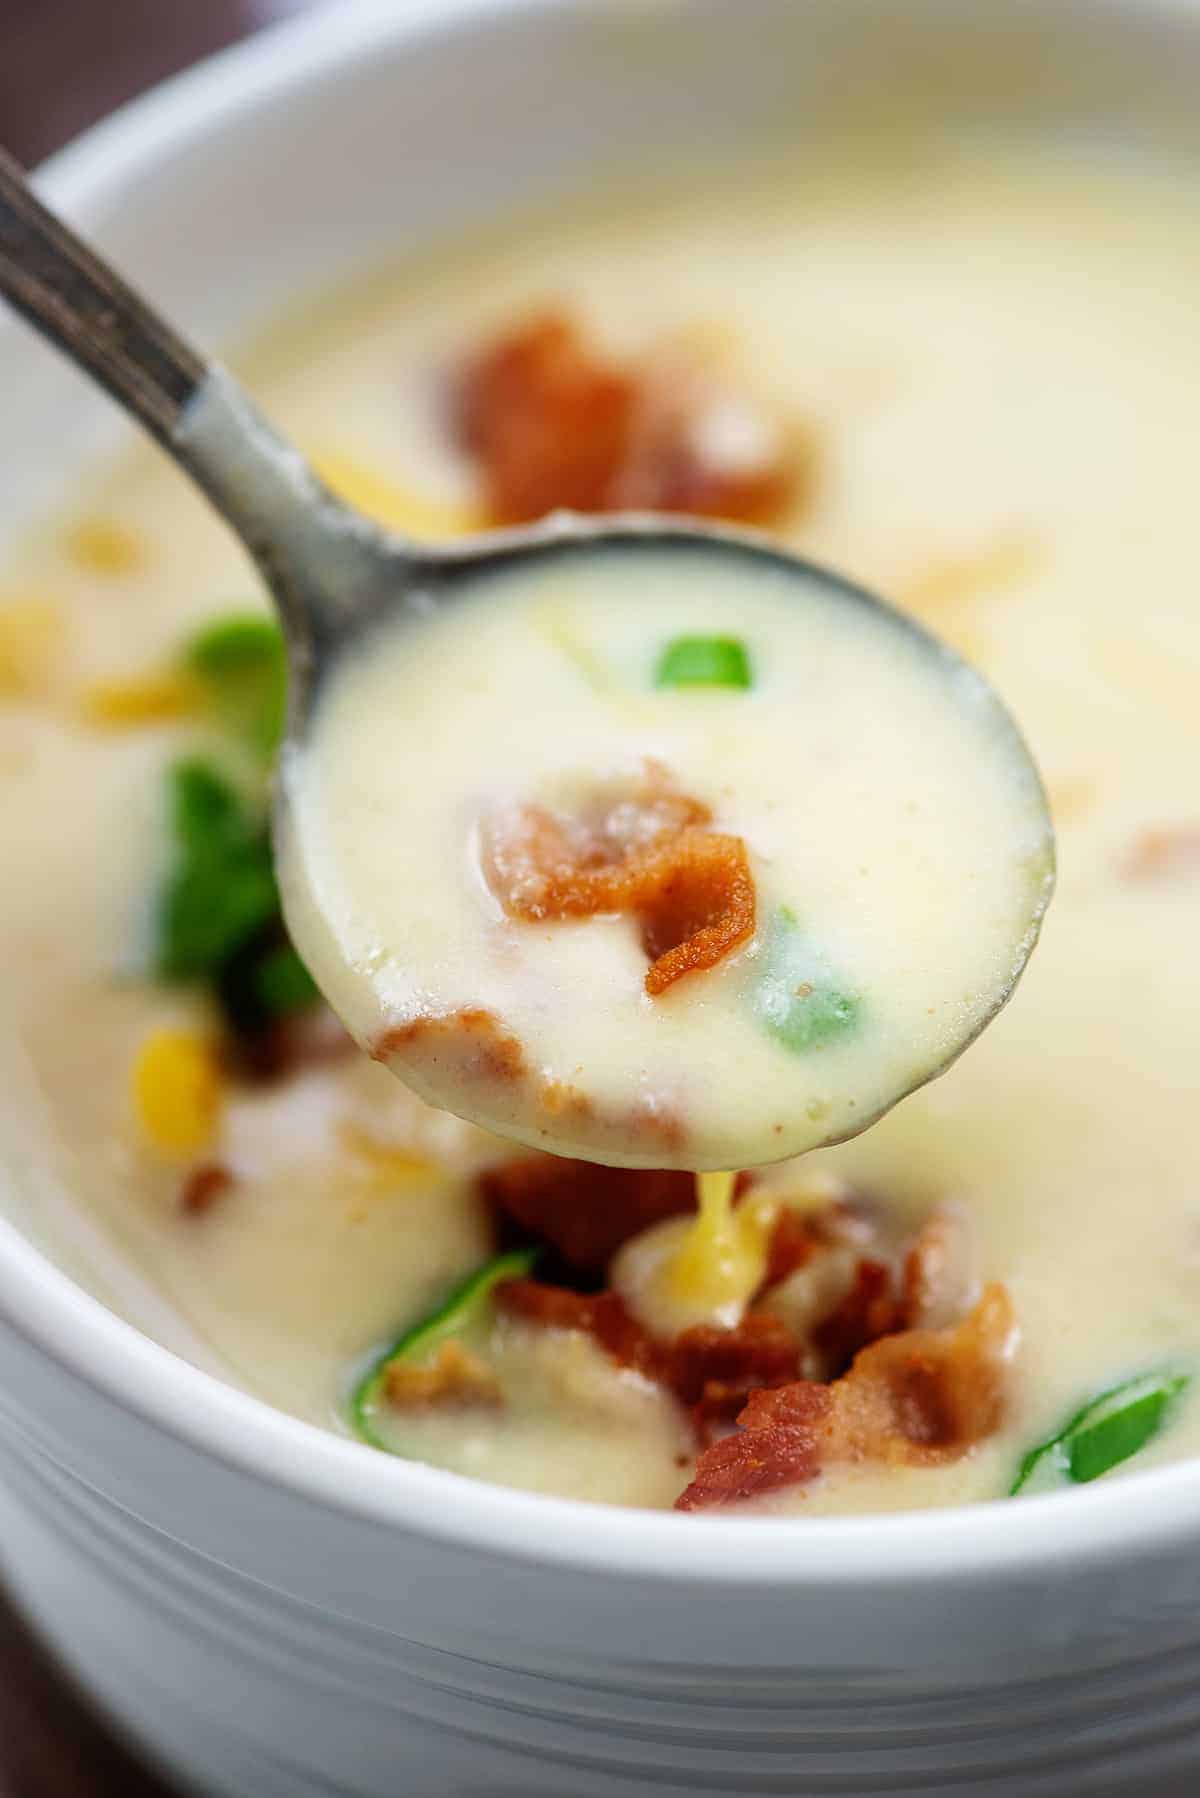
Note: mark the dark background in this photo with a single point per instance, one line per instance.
(63, 64)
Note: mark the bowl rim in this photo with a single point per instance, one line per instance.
(1153, 1511)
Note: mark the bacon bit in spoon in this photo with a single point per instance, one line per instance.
(471, 1038)
(554, 423)
(696, 900)
(540, 864)
(641, 849)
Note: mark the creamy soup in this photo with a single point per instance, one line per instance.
(665, 857)
(965, 376)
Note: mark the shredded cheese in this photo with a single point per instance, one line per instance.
(385, 1165)
(32, 634)
(177, 1091)
(102, 546)
(413, 514)
(133, 701)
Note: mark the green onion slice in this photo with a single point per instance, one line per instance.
(704, 662)
(212, 905)
(222, 889)
(456, 1314)
(1107, 1431)
(798, 998)
(243, 664)
(282, 984)
(205, 808)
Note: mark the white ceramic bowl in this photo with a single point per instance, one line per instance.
(279, 1613)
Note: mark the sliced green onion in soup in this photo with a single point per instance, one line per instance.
(798, 997)
(1107, 1431)
(219, 918)
(704, 662)
(242, 664)
(461, 1311)
(222, 890)
(204, 805)
(281, 982)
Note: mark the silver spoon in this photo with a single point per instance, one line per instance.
(331, 573)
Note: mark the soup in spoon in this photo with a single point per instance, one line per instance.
(663, 855)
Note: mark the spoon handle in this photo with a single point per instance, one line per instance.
(68, 294)
(323, 563)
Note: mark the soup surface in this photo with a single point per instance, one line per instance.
(965, 375)
(612, 912)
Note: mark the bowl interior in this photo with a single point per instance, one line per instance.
(372, 132)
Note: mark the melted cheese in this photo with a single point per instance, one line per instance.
(698, 1270)
(720, 1261)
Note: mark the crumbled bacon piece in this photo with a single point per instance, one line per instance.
(584, 1210)
(471, 1038)
(867, 1311)
(937, 1285)
(554, 423)
(780, 1441)
(203, 1186)
(454, 1377)
(928, 1395)
(543, 864)
(547, 418)
(1164, 853)
(602, 1315)
(696, 900)
(883, 1389)
(916, 1398)
(712, 1368)
(641, 850)
(698, 447)
(791, 1245)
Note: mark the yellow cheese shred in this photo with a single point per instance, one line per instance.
(32, 638)
(132, 701)
(106, 547)
(412, 514)
(177, 1091)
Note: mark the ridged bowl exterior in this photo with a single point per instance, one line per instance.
(312, 1622)
(268, 1654)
